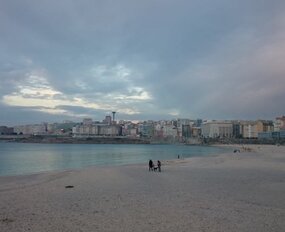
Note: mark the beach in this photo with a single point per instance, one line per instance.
(241, 191)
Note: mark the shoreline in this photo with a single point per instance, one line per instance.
(225, 192)
(168, 161)
(64, 139)
(205, 151)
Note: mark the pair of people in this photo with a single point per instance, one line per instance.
(152, 167)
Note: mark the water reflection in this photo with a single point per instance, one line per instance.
(17, 158)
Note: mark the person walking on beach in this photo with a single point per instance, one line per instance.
(150, 165)
(159, 165)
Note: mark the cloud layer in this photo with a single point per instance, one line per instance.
(144, 59)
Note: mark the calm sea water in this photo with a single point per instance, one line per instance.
(21, 158)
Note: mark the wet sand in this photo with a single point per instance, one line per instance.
(229, 192)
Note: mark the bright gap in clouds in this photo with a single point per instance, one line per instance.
(36, 93)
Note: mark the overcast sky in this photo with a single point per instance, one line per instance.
(156, 59)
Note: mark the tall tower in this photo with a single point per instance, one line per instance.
(113, 116)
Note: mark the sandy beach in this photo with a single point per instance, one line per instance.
(228, 192)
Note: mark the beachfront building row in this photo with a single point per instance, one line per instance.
(34, 129)
(90, 128)
(166, 130)
(181, 129)
(252, 128)
(272, 135)
(96, 130)
(45, 128)
(217, 129)
(4, 130)
(236, 129)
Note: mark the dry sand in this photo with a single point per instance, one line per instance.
(228, 192)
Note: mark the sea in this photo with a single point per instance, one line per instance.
(30, 158)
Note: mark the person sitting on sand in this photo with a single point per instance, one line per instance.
(150, 165)
(159, 165)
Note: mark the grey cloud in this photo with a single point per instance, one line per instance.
(11, 116)
(212, 59)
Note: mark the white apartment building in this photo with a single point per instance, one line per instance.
(87, 121)
(217, 129)
(249, 130)
(34, 129)
(279, 123)
(96, 130)
(169, 131)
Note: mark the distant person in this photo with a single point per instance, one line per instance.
(178, 156)
(150, 165)
(159, 165)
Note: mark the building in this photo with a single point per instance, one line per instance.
(236, 130)
(217, 129)
(169, 131)
(184, 127)
(267, 135)
(183, 121)
(109, 130)
(196, 132)
(146, 129)
(96, 130)
(279, 123)
(129, 129)
(276, 135)
(34, 129)
(250, 129)
(186, 131)
(264, 126)
(198, 122)
(158, 131)
(87, 121)
(108, 120)
(4, 130)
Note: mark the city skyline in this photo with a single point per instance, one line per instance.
(105, 120)
(145, 60)
(179, 130)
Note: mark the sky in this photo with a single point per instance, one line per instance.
(151, 59)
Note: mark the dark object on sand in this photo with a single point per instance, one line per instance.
(69, 186)
(150, 166)
(159, 165)
(7, 220)
(236, 150)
